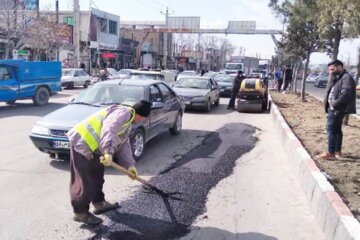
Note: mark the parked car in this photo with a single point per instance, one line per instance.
(186, 74)
(74, 77)
(198, 92)
(49, 133)
(321, 80)
(312, 77)
(23, 80)
(225, 82)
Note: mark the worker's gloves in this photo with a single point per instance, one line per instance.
(134, 173)
(106, 160)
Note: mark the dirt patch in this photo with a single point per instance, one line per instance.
(308, 121)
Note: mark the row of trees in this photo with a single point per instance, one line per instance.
(21, 28)
(316, 26)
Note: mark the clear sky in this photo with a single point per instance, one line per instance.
(213, 13)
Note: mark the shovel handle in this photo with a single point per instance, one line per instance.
(124, 170)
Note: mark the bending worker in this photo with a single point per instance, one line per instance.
(105, 133)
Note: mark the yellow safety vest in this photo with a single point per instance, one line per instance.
(90, 128)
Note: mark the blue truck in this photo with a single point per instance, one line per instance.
(20, 79)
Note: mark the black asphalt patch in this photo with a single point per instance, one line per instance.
(149, 216)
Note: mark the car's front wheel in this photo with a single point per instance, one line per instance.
(86, 84)
(176, 128)
(138, 144)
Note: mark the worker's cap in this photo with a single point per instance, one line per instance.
(142, 108)
(240, 72)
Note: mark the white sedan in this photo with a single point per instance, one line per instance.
(74, 77)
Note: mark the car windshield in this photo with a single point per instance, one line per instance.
(66, 73)
(223, 78)
(192, 83)
(233, 66)
(110, 94)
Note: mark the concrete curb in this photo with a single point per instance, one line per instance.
(334, 217)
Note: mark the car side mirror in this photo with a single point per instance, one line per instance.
(157, 105)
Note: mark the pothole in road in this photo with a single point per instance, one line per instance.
(148, 216)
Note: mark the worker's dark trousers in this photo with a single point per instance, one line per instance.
(232, 98)
(87, 179)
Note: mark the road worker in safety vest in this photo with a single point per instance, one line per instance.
(105, 133)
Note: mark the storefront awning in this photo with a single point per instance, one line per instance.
(108, 55)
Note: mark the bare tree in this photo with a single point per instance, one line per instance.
(12, 24)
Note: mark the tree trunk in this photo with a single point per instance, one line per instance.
(358, 68)
(337, 39)
(295, 77)
(304, 76)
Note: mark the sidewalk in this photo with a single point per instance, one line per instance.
(261, 199)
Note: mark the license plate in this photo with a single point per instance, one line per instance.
(61, 144)
(187, 102)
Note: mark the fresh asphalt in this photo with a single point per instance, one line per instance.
(193, 175)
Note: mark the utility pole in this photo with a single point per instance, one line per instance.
(57, 21)
(76, 32)
(165, 38)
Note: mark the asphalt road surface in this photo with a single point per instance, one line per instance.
(229, 168)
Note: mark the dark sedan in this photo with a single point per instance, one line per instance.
(198, 92)
(49, 133)
(225, 82)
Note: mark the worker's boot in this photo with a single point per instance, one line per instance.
(104, 206)
(87, 218)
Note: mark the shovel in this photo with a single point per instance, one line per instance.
(147, 184)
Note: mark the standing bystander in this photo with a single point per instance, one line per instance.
(339, 100)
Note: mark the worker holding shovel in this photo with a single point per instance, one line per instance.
(102, 135)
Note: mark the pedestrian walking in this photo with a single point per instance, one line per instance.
(340, 99)
(235, 89)
(278, 78)
(105, 133)
(287, 77)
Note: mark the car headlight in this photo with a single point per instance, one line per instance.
(199, 99)
(40, 130)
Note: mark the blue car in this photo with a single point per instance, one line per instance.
(49, 133)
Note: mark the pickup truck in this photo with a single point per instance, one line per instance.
(20, 79)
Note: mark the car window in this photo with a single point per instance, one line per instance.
(67, 73)
(4, 73)
(155, 95)
(165, 91)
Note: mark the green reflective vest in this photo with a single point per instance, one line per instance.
(90, 128)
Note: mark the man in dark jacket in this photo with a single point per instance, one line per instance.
(340, 99)
(235, 89)
(287, 77)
